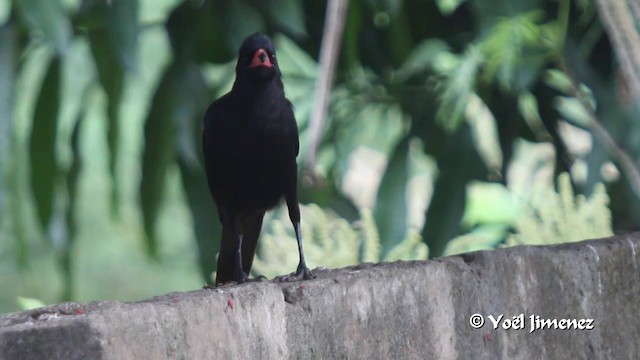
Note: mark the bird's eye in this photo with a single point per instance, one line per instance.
(273, 57)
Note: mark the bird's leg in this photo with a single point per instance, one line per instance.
(239, 276)
(302, 270)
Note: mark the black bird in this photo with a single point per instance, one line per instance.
(250, 144)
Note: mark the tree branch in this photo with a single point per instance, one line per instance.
(329, 51)
(619, 23)
(625, 161)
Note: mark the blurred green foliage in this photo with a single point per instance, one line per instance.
(330, 241)
(546, 217)
(444, 117)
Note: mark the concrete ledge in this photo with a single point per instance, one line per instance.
(402, 310)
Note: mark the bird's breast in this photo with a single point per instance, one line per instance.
(258, 150)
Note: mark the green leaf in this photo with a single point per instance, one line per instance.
(293, 61)
(117, 23)
(5, 11)
(112, 76)
(206, 222)
(377, 126)
(289, 15)
(485, 237)
(404, 194)
(573, 110)
(586, 9)
(445, 63)
(47, 17)
(72, 177)
(558, 80)
(156, 11)
(352, 34)
(197, 32)
(488, 13)
(447, 7)
(457, 90)
(42, 144)
(422, 174)
(220, 77)
(8, 55)
(489, 203)
(364, 144)
(509, 49)
(484, 132)
(159, 150)
(299, 73)
(8, 176)
(205, 216)
(532, 164)
(168, 128)
(122, 25)
(458, 163)
(391, 211)
(114, 46)
(25, 303)
(528, 108)
(422, 57)
(241, 20)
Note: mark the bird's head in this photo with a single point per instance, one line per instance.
(257, 58)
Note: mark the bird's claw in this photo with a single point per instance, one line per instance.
(302, 273)
(305, 273)
(259, 278)
(219, 285)
(240, 277)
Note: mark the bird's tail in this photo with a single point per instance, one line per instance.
(251, 227)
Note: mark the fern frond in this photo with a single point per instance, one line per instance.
(558, 217)
(411, 248)
(371, 238)
(329, 241)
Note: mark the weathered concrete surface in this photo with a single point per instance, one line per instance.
(403, 310)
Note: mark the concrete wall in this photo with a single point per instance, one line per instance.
(402, 310)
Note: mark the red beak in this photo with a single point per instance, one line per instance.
(260, 58)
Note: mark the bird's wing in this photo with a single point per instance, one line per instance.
(211, 152)
(294, 123)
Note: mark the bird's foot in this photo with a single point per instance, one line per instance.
(220, 285)
(240, 277)
(225, 284)
(303, 273)
(217, 286)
